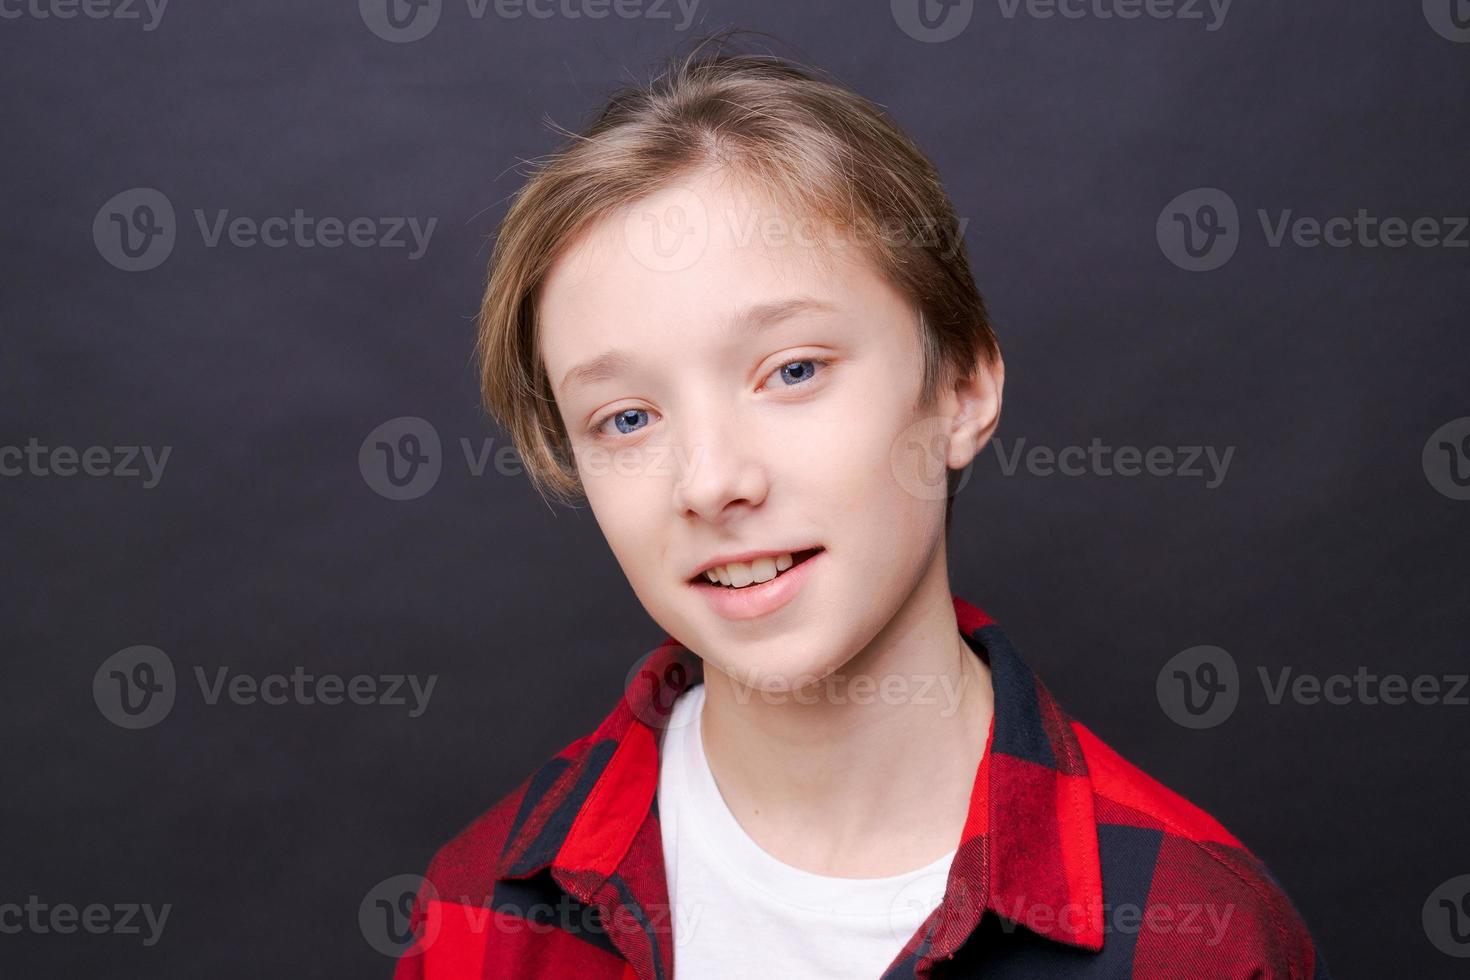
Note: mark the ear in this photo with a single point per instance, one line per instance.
(974, 410)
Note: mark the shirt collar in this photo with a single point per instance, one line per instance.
(1028, 852)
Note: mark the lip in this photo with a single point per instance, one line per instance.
(754, 601)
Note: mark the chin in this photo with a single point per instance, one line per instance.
(770, 667)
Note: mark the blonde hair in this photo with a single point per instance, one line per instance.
(804, 139)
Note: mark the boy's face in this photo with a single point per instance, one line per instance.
(723, 434)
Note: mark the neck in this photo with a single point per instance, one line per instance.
(867, 773)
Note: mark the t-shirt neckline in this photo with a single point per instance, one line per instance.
(723, 839)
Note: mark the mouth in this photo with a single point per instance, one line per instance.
(738, 576)
(752, 600)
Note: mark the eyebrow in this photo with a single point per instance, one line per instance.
(745, 323)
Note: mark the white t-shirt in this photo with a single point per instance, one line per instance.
(738, 913)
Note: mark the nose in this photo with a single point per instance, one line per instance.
(720, 468)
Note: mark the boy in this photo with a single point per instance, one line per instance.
(736, 313)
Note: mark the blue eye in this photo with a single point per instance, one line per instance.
(627, 420)
(801, 377)
(619, 418)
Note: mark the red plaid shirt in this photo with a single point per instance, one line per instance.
(1072, 862)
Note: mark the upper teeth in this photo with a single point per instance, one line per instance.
(739, 574)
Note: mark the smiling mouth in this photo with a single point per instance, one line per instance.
(744, 571)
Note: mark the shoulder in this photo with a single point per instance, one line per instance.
(524, 830)
(465, 901)
(465, 868)
(1209, 903)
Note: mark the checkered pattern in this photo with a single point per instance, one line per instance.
(1072, 863)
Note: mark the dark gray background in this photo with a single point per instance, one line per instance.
(264, 547)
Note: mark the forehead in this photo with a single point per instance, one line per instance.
(673, 270)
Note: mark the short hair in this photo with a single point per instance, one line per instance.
(794, 133)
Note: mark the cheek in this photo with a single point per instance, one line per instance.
(625, 502)
(865, 455)
(625, 477)
(887, 506)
